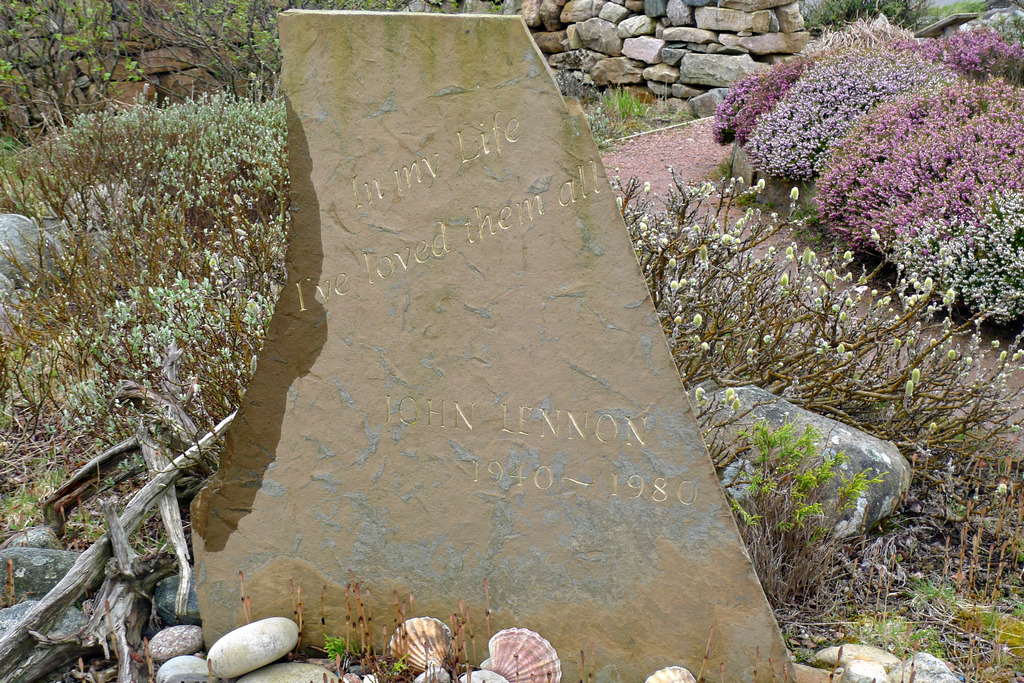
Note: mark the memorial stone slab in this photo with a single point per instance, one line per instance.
(465, 378)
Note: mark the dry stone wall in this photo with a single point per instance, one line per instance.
(672, 48)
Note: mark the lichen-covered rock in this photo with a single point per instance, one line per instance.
(531, 13)
(176, 641)
(33, 537)
(923, 668)
(71, 621)
(36, 570)
(164, 596)
(24, 247)
(252, 646)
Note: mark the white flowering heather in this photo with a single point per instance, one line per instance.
(793, 139)
(984, 267)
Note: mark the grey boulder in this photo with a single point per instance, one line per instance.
(864, 453)
(36, 570)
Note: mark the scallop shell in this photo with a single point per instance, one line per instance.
(423, 642)
(671, 674)
(522, 656)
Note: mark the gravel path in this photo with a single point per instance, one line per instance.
(690, 150)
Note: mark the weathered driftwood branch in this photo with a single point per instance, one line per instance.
(84, 483)
(20, 660)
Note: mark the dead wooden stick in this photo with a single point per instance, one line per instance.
(167, 503)
(84, 483)
(18, 641)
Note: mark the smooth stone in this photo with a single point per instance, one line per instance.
(635, 5)
(531, 13)
(36, 570)
(290, 672)
(659, 89)
(829, 657)
(550, 13)
(924, 668)
(434, 675)
(184, 669)
(352, 678)
(70, 622)
(808, 674)
(863, 671)
(175, 641)
(482, 676)
(251, 646)
(164, 596)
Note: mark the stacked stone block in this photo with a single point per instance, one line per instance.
(673, 48)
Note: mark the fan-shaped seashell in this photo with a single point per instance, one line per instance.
(423, 642)
(671, 674)
(522, 656)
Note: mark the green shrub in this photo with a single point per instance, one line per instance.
(886, 359)
(837, 13)
(780, 513)
(177, 240)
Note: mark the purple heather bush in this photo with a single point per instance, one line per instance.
(793, 139)
(936, 156)
(979, 53)
(981, 265)
(737, 116)
(935, 180)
